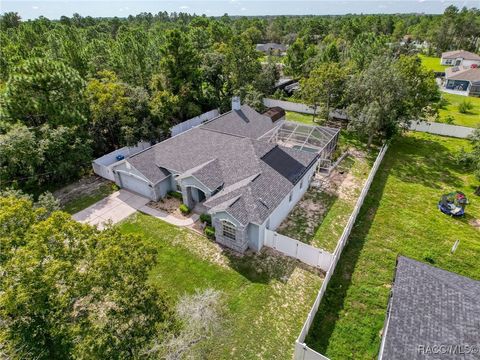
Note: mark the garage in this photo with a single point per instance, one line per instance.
(136, 184)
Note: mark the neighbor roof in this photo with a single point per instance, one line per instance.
(253, 175)
(468, 74)
(467, 55)
(430, 307)
(271, 46)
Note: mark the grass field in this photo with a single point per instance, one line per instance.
(399, 216)
(267, 297)
(471, 119)
(432, 63)
(320, 216)
(301, 118)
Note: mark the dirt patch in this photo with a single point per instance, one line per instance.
(475, 223)
(87, 185)
(170, 205)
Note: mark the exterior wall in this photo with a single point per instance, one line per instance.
(254, 237)
(240, 244)
(163, 187)
(282, 211)
(189, 187)
(469, 63)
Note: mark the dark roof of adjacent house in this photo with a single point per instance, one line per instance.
(467, 74)
(467, 55)
(250, 175)
(270, 46)
(275, 113)
(430, 307)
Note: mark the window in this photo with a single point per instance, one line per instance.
(301, 184)
(290, 197)
(228, 230)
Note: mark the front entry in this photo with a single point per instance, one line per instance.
(194, 196)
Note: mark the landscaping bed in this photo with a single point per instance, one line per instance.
(399, 216)
(319, 217)
(170, 205)
(267, 296)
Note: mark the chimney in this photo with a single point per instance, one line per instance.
(236, 103)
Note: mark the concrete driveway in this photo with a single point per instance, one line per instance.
(114, 208)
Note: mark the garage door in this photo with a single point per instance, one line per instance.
(136, 185)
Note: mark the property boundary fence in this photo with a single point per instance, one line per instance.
(441, 129)
(307, 254)
(103, 165)
(302, 351)
(197, 120)
(422, 126)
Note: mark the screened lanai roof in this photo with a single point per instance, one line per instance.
(318, 139)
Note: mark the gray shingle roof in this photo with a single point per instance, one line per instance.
(225, 153)
(431, 307)
(467, 55)
(245, 122)
(468, 74)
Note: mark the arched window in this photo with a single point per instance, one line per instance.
(228, 229)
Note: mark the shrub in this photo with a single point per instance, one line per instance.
(449, 119)
(429, 257)
(184, 209)
(205, 218)
(115, 187)
(175, 194)
(465, 106)
(209, 232)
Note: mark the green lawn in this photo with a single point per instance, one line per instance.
(472, 119)
(85, 200)
(319, 218)
(301, 118)
(267, 297)
(400, 216)
(432, 63)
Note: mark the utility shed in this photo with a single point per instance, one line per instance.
(432, 314)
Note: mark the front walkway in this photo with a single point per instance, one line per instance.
(120, 205)
(113, 208)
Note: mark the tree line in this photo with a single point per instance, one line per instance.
(74, 88)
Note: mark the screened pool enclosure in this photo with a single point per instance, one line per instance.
(317, 139)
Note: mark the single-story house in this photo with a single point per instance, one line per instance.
(243, 168)
(464, 80)
(460, 58)
(431, 314)
(272, 48)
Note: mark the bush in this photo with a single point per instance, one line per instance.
(184, 209)
(205, 218)
(209, 232)
(449, 119)
(175, 194)
(465, 106)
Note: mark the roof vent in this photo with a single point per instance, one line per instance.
(236, 104)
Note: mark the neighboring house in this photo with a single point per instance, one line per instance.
(431, 311)
(233, 168)
(464, 81)
(460, 58)
(272, 48)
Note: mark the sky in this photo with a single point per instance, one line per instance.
(53, 9)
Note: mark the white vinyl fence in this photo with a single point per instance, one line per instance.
(103, 165)
(307, 254)
(441, 129)
(301, 108)
(288, 105)
(197, 120)
(302, 351)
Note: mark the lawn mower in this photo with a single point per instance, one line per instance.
(453, 204)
